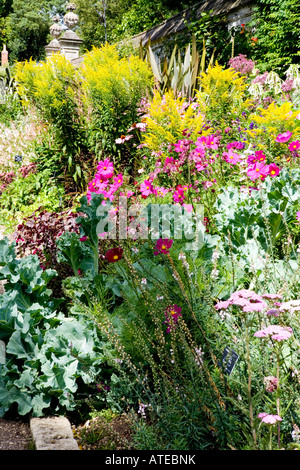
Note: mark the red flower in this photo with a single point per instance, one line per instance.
(163, 245)
(254, 39)
(114, 254)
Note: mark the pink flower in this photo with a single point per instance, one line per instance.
(178, 195)
(293, 146)
(269, 419)
(83, 239)
(163, 246)
(210, 141)
(231, 157)
(146, 188)
(259, 170)
(284, 137)
(276, 332)
(298, 215)
(188, 207)
(118, 181)
(270, 383)
(105, 169)
(273, 170)
(172, 313)
(123, 139)
(160, 191)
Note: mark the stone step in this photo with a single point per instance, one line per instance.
(52, 433)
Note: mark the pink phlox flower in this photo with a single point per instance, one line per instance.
(269, 419)
(293, 146)
(231, 157)
(284, 137)
(146, 188)
(105, 169)
(258, 170)
(273, 170)
(163, 246)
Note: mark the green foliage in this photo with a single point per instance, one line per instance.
(29, 23)
(25, 195)
(114, 87)
(53, 88)
(276, 24)
(47, 354)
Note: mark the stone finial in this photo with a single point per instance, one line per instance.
(70, 18)
(56, 29)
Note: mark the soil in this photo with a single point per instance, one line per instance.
(15, 435)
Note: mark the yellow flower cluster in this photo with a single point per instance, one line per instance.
(168, 117)
(222, 91)
(276, 119)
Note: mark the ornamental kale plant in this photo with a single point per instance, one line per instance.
(50, 358)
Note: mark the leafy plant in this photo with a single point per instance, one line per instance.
(48, 356)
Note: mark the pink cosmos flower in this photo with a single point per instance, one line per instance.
(269, 419)
(160, 191)
(172, 313)
(210, 141)
(232, 157)
(273, 170)
(293, 146)
(259, 170)
(105, 169)
(284, 137)
(178, 195)
(146, 188)
(118, 180)
(163, 246)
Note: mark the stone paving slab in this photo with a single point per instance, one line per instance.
(52, 433)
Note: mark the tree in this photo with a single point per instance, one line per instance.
(276, 26)
(5, 9)
(29, 22)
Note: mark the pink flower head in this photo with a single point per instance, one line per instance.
(298, 215)
(210, 141)
(269, 419)
(273, 170)
(232, 157)
(172, 313)
(123, 139)
(178, 195)
(188, 207)
(284, 137)
(163, 246)
(293, 146)
(146, 188)
(160, 191)
(105, 169)
(258, 156)
(276, 332)
(258, 170)
(270, 383)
